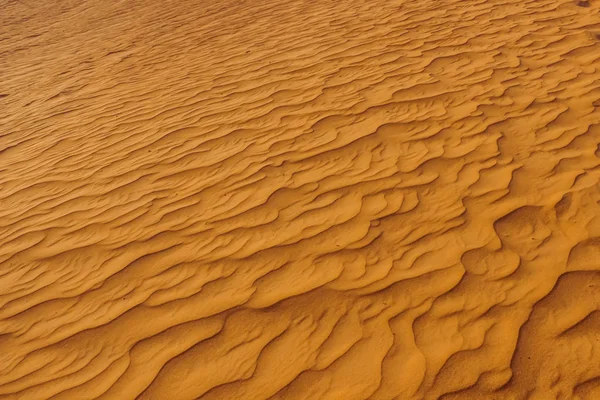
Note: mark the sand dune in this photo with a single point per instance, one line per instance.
(300, 199)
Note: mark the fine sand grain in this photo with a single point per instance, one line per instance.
(300, 199)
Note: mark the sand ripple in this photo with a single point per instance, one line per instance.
(300, 199)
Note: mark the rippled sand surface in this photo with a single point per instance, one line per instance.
(300, 199)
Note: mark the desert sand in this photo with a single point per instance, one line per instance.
(296, 199)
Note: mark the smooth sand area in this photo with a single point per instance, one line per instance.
(300, 199)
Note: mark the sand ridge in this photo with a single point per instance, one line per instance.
(300, 200)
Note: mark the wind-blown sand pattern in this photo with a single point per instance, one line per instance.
(300, 199)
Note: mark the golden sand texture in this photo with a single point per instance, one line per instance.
(299, 199)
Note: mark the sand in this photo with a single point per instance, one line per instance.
(300, 199)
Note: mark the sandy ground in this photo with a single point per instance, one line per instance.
(297, 199)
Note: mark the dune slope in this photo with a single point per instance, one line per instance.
(300, 199)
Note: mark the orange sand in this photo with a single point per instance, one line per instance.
(299, 199)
